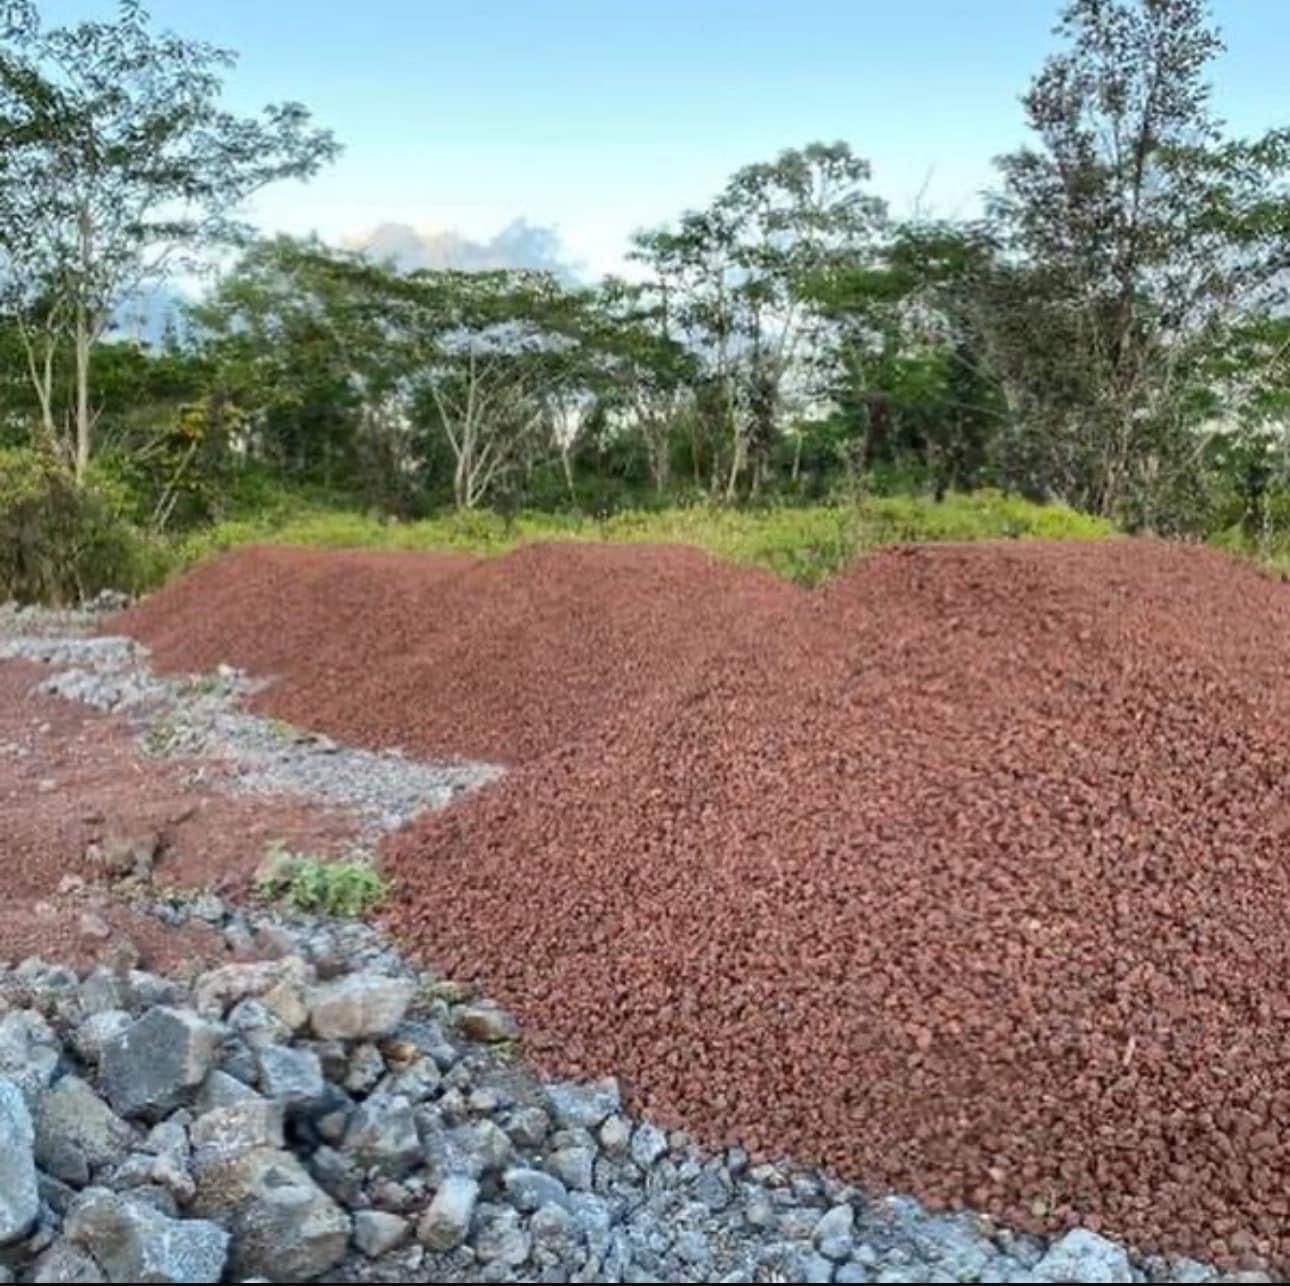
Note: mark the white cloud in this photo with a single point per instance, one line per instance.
(518, 245)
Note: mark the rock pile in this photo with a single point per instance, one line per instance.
(277, 1120)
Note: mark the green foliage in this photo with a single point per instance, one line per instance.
(350, 889)
(60, 543)
(802, 543)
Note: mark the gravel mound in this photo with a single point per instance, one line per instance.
(326, 1112)
(500, 659)
(965, 876)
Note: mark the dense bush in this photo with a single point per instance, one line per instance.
(60, 543)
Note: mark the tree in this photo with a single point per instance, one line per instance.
(730, 280)
(1137, 240)
(118, 165)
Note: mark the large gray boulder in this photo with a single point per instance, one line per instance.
(158, 1063)
(359, 1006)
(1083, 1256)
(19, 1197)
(77, 1133)
(132, 1241)
(382, 1135)
(285, 1227)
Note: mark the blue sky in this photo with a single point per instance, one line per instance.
(596, 117)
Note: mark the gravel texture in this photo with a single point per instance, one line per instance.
(965, 876)
(202, 716)
(414, 1154)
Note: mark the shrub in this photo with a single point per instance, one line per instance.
(350, 889)
(61, 543)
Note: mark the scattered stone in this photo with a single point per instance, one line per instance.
(19, 1198)
(77, 1133)
(649, 1144)
(290, 1075)
(1083, 1256)
(382, 1135)
(359, 1006)
(487, 1023)
(447, 1218)
(284, 1226)
(239, 1127)
(376, 1233)
(573, 1167)
(583, 1106)
(158, 1062)
(529, 1190)
(501, 1239)
(834, 1234)
(65, 1261)
(131, 1241)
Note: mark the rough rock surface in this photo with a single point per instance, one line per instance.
(912, 878)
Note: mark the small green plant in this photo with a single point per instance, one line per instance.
(349, 888)
(281, 730)
(203, 685)
(160, 737)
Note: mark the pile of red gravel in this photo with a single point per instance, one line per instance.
(968, 875)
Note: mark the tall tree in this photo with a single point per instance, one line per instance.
(733, 276)
(117, 166)
(1138, 237)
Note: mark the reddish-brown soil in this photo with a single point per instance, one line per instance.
(967, 875)
(71, 778)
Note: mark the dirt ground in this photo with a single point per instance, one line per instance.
(72, 783)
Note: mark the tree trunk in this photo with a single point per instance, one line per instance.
(83, 353)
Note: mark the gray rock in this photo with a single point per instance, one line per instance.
(219, 1089)
(446, 1221)
(501, 1239)
(586, 1107)
(290, 1075)
(359, 1006)
(104, 991)
(382, 1135)
(29, 1052)
(692, 1247)
(77, 1133)
(528, 1190)
(159, 1062)
(258, 1025)
(133, 1242)
(431, 1040)
(284, 1226)
(470, 1150)
(649, 1143)
(65, 1261)
(528, 1126)
(338, 1176)
(364, 1068)
(376, 1233)
(553, 1231)
(242, 1126)
(92, 1034)
(573, 1167)
(834, 1233)
(616, 1135)
(714, 1188)
(19, 1196)
(851, 1274)
(1083, 1256)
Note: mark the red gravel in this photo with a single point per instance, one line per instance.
(967, 875)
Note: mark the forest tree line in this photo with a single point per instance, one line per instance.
(1111, 332)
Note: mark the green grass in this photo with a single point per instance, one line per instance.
(804, 544)
(347, 888)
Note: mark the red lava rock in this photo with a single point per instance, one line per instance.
(998, 914)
